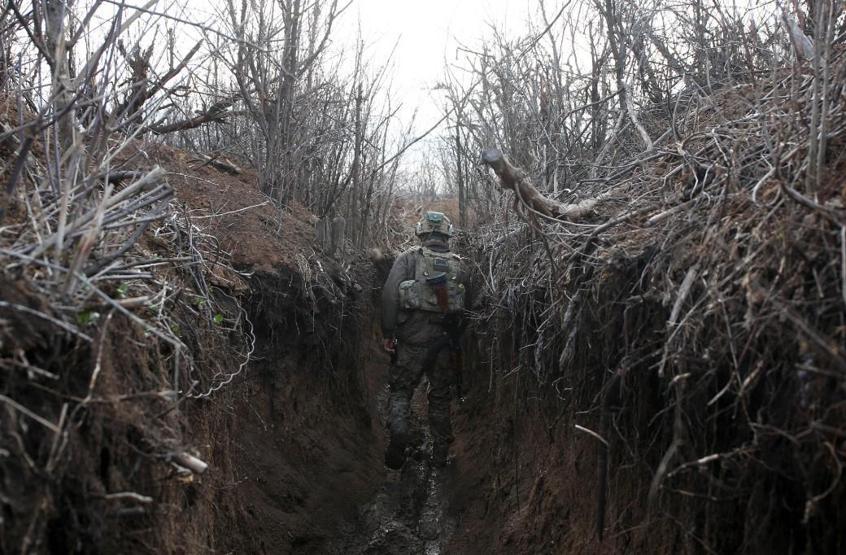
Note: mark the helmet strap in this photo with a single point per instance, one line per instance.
(436, 239)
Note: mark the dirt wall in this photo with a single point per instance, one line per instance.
(604, 455)
(290, 441)
(304, 450)
(290, 444)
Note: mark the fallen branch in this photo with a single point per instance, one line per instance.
(216, 112)
(515, 179)
(219, 163)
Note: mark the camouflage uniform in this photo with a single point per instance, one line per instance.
(424, 345)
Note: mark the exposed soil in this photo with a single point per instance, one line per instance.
(295, 442)
(305, 452)
(520, 487)
(305, 427)
(259, 236)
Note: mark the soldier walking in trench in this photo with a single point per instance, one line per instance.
(423, 308)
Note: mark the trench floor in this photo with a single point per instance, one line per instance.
(409, 512)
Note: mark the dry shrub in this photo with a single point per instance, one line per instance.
(696, 323)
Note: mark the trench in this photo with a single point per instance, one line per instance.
(409, 513)
(307, 430)
(296, 443)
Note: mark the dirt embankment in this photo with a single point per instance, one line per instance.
(555, 463)
(302, 450)
(290, 440)
(668, 377)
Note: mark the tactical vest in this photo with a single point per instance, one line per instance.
(435, 287)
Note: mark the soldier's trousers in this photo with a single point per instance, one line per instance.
(405, 375)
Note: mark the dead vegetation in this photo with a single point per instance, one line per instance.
(670, 300)
(115, 309)
(688, 334)
(120, 313)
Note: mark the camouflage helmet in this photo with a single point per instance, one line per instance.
(434, 222)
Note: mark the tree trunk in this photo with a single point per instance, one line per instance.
(459, 173)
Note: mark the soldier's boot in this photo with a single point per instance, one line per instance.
(440, 424)
(395, 454)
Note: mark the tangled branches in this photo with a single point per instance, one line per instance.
(697, 324)
(114, 307)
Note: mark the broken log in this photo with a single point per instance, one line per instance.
(515, 179)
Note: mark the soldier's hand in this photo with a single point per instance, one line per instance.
(390, 345)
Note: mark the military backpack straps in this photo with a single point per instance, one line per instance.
(435, 287)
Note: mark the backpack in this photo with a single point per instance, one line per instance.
(435, 287)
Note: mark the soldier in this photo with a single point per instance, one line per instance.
(423, 305)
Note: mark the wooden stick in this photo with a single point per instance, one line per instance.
(128, 495)
(218, 163)
(151, 179)
(591, 433)
(65, 326)
(22, 409)
(190, 462)
(512, 177)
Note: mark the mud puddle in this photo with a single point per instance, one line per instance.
(409, 514)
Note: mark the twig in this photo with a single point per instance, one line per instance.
(591, 433)
(128, 495)
(64, 325)
(22, 409)
(229, 213)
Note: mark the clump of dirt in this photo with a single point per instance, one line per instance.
(258, 234)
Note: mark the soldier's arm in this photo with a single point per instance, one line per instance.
(390, 294)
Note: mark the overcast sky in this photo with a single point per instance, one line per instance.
(422, 35)
(426, 34)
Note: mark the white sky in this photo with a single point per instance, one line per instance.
(419, 36)
(426, 34)
(422, 34)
